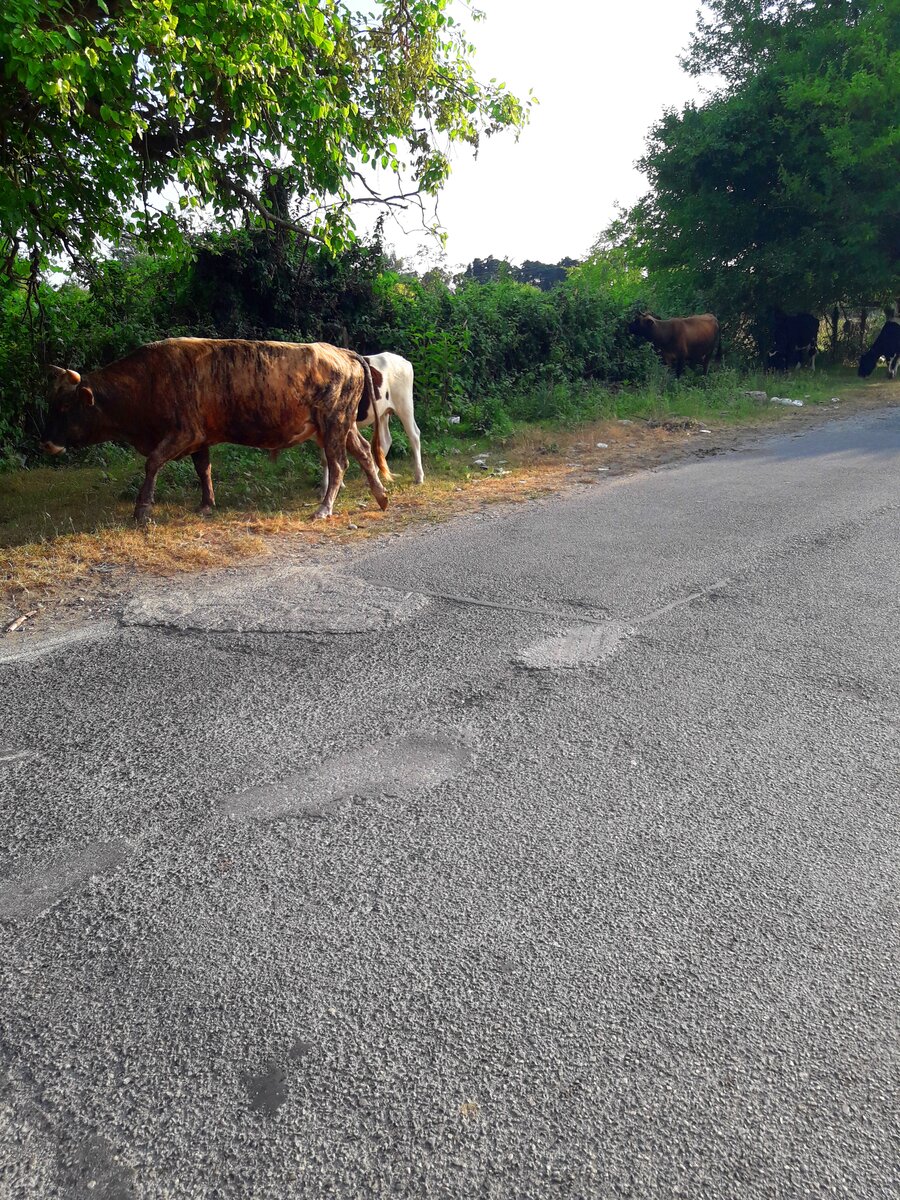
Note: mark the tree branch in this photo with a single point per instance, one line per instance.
(158, 146)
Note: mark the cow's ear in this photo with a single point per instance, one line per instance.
(86, 396)
(377, 378)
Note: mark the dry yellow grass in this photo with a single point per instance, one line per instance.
(177, 541)
(38, 567)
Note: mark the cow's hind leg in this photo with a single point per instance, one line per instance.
(415, 441)
(204, 474)
(334, 446)
(359, 448)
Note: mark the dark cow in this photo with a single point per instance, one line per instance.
(795, 340)
(681, 341)
(181, 396)
(887, 346)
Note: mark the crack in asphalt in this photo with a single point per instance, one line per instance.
(700, 594)
(526, 609)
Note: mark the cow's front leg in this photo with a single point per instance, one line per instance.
(156, 460)
(359, 448)
(204, 474)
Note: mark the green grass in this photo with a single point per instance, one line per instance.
(719, 396)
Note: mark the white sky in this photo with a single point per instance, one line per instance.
(603, 71)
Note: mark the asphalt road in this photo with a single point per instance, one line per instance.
(546, 853)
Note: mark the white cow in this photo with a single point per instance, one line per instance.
(394, 396)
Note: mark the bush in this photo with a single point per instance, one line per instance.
(487, 353)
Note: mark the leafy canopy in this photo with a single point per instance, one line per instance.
(286, 109)
(784, 188)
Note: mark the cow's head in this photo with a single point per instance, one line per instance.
(642, 325)
(71, 413)
(867, 364)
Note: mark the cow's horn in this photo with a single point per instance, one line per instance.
(62, 373)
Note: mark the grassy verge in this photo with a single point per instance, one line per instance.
(60, 524)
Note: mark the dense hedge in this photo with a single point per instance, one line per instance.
(486, 352)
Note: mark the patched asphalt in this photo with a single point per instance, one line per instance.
(549, 852)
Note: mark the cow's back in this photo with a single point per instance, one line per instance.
(230, 390)
(701, 327)
(888, 341)
(397, 376)
(687, 336)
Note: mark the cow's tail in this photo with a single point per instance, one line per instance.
(719, 351)
(377, 448)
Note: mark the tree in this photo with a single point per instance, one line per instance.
(784, 188)
(487, 270)
(544, 275)
(293, 111)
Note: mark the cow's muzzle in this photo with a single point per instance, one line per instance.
(52, 448)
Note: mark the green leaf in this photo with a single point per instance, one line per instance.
(310, 78)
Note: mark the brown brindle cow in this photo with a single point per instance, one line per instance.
(680, 341)
(181, 396)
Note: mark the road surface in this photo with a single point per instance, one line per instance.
(547, 853)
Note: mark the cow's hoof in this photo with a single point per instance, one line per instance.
(322, 514)
(142, 515)
(382, 502)
(419, 479)
(206, 510)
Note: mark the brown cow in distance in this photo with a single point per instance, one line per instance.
(681, 341)
(178, 397)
